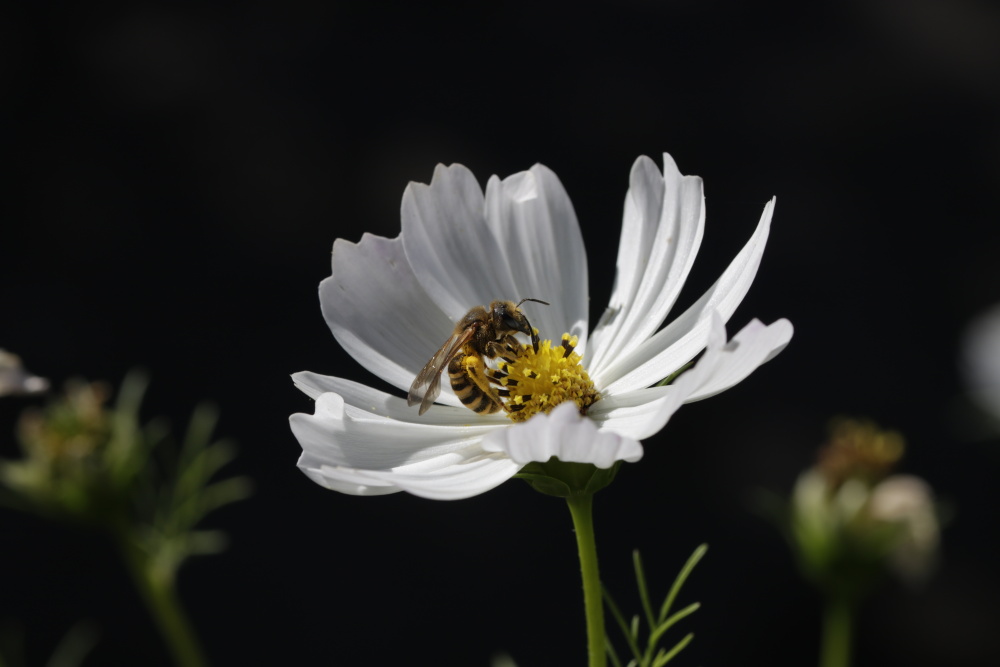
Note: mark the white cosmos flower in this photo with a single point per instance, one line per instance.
(391, 303)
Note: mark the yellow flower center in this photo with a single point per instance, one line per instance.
(859, 449)
(531, 382)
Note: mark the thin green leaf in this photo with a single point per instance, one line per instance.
(698, 554)
(667, 624)
(199, 459)
(74, 647)
(200, 427)
(502, 660)
(137, 466)
(664, 658)
(199, 467)
(204, 542)
(612, 655)
(127, 449)
(224, 492)
(640, 578)
(617, 614)
(192, 509)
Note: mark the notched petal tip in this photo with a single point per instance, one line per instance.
(670, 165)
(522, 186)
(726, 364)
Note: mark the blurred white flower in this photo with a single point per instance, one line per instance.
(981, 360)
(908, 502)
(14, 379)
(392, 302)
(850, 519)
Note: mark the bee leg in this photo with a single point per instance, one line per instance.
(495, 348)
(507, 348)
(488, 399)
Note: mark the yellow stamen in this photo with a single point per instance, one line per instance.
(536, 382)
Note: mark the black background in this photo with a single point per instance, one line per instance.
(176, 174)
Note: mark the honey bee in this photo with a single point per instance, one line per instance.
(481, 333)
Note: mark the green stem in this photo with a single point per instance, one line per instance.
(581, 508)
(161, 599)
(835, 650)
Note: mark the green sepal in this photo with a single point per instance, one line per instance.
(545, 484)
(563, 479)
(602, 477)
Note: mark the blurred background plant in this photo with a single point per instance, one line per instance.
(70, 651)
(87, 462)
(851, 520)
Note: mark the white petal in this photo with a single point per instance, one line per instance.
(378, 403)
(565, 434)
(661, 231)
(637, 414)
(725, 364)
(908, 501)
(454, 254)
(345, 480)
(521, 240)
(682, 339)
(532, 217)
(339, 434)
(901, 497)
(380, 314)
(463, 479)
(356, 450)
(753, 346)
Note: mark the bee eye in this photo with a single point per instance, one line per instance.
(510, 322)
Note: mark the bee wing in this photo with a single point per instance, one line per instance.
(427, 385)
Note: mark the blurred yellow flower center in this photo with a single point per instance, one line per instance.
(531, 382)
(859, 449)
(71, 429)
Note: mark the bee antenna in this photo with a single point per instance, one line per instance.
(534, 336)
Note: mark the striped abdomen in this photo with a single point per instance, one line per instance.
(468, 382)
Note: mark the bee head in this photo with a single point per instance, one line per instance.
(508, 318)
